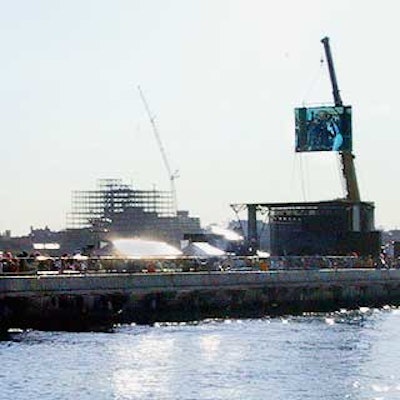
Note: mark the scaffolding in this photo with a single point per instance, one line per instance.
(91, 208)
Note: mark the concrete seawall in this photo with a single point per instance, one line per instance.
(83, 302)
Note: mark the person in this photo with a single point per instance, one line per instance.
(314, 132)
(337, 142)
(323, 132)
(264, 265)
(58, 265)
(319, 134)
(335, 136)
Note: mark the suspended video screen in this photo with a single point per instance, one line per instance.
(323, 129)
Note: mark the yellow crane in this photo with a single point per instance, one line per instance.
(346, 157)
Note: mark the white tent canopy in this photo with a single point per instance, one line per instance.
(144, 248)
(202, 249)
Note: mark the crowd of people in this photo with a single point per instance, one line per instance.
(36, 263)
(24, 263)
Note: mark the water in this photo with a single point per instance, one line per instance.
(346, 355)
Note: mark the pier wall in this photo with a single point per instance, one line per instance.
(85, 302)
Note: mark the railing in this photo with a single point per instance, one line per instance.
(96, 265)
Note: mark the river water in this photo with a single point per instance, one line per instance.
(345, 355)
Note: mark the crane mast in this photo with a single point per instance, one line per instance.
(171, 175)
(346, 157)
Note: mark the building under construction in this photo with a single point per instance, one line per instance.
(115, 209)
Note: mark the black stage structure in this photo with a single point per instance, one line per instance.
(337, 227)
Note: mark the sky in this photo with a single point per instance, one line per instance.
(222, 79)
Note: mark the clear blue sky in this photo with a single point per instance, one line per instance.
(222, 78)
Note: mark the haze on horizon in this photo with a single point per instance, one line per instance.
(222, 79)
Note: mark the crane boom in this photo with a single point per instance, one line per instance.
(347, 158)
(171, 175)
(332, 74)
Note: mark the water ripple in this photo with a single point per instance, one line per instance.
(342, 355)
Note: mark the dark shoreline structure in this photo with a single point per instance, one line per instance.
(82, 303)
(336, 228)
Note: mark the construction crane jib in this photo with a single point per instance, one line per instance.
(171, 175)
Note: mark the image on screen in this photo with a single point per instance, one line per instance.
(323, 129)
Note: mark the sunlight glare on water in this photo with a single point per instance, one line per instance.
(342, 355)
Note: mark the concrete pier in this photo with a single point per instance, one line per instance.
(96, 301)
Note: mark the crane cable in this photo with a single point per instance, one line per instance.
(314, 80)
(304, 171)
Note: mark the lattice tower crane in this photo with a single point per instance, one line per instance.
(171, 175)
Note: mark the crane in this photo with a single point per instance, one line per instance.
(347, 158)
(171, 175)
